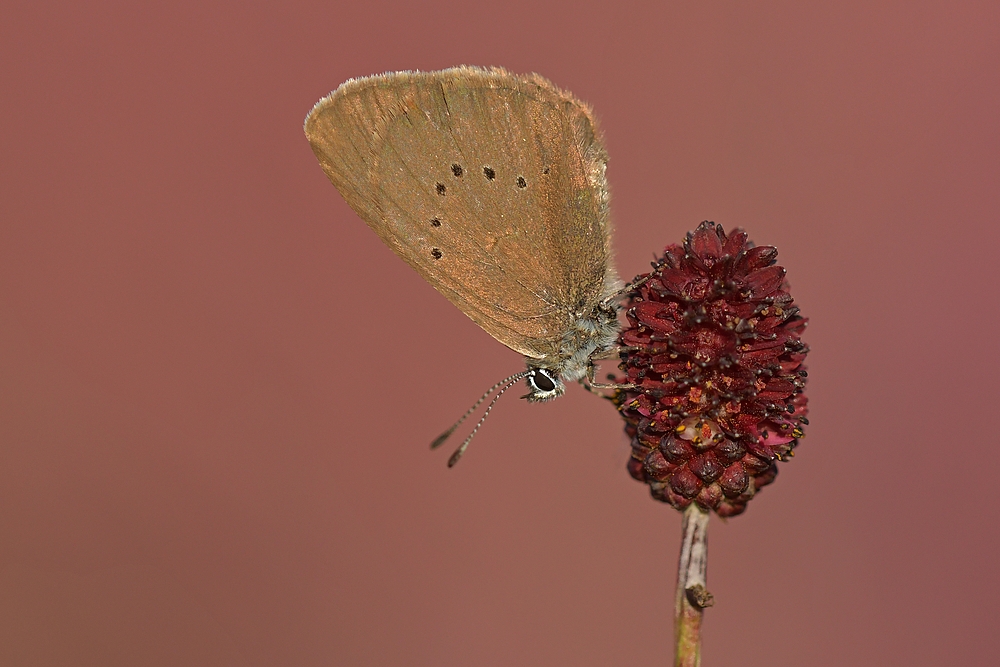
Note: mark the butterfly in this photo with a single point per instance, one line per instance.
(492, 187)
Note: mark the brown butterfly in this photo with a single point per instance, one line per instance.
(491, 185)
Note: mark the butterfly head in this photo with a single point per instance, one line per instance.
(587, 338)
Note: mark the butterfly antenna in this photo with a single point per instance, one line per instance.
(465, 443)
(438, 441)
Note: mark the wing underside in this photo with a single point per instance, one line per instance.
(490, 185)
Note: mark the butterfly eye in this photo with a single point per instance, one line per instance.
(541, 380)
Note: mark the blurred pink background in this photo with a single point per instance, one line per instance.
(217, 387)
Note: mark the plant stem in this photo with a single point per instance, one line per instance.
(692, 596)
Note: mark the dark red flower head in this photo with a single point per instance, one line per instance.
(712, 344)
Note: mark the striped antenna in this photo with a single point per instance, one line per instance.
(465, 443)
(438, 441)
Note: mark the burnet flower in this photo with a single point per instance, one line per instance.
(713, 348)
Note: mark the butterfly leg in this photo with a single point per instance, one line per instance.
(593, 383)
(630, 287)
(615, 351)
(594, 391)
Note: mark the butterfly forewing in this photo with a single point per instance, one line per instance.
(490, 185)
